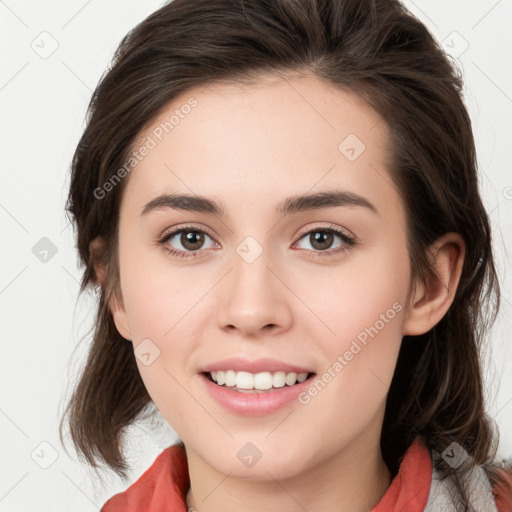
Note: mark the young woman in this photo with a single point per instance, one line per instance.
(278, 203)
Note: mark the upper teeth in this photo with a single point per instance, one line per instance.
(263, 380)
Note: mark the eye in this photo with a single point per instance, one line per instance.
(186, 241)
(323, 240)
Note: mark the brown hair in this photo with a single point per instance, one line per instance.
(376, 49)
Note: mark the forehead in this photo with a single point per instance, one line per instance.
(273, 136)
(302, 104)
(281, 109)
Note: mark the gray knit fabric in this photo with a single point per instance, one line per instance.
(443, 497)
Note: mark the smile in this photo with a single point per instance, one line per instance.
(248, 400)
(263, 381)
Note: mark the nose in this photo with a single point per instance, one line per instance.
(254, 298)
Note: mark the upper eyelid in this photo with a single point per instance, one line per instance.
(327, 227)
(178, 229)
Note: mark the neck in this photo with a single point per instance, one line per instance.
(352, 480)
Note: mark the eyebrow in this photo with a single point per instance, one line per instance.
(293, 204)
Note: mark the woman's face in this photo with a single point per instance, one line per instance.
(264, 277)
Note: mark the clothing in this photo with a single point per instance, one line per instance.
(416, 487)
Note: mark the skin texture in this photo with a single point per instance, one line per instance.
(249, 148)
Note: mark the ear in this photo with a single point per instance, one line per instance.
(120, 317)
(115, 303)
(430, 301)
(97, 248)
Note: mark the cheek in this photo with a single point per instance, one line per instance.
(159, 311)
(157, 297)
(362, 308)
(168, 307)
(360, 359)
(368, 290)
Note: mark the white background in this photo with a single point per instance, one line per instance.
(45, 329)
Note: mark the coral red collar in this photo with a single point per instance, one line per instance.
(163, 487)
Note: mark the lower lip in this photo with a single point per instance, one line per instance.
(255, 404)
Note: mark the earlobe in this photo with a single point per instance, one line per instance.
(120, 317)
(432, 300)
(97, 250)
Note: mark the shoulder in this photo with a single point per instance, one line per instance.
(483, 495)
(502, 490)
(162, 486)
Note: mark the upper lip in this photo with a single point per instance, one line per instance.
(240, 364)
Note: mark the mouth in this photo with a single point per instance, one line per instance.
(263, 382)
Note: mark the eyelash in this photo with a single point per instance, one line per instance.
(347, 240)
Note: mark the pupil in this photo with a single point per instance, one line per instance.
(191, 238)
(320, 237)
